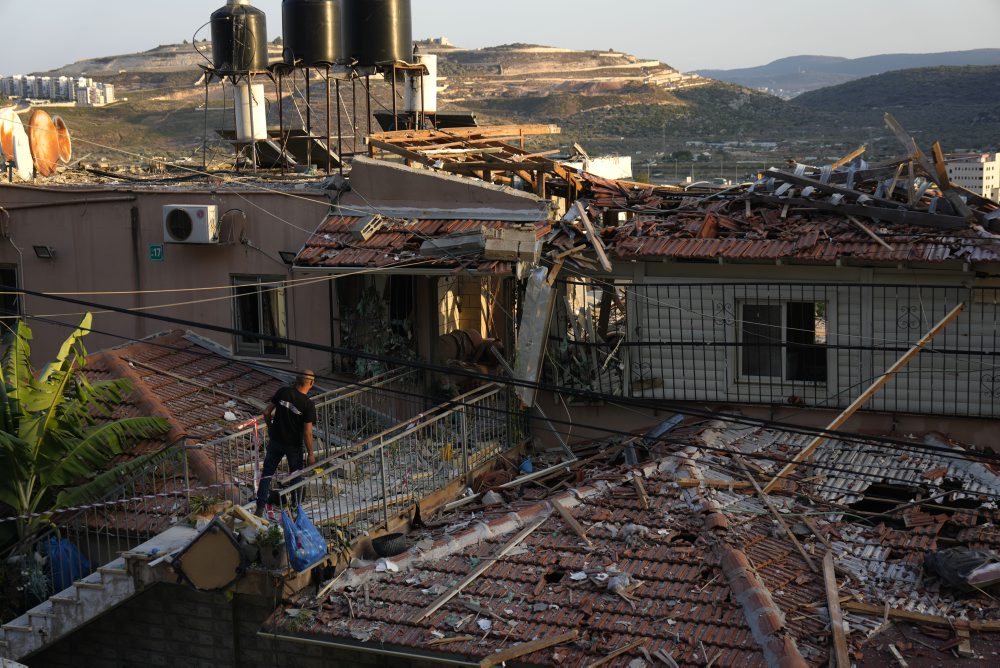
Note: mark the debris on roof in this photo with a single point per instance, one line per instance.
(441, 244)
(686, 566)
(904, 210)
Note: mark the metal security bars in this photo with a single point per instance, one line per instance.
(344, 417)
(362, 489)
(799, 344)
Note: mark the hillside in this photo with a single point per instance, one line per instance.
(960, 106)
(609, 101)
(789, 77)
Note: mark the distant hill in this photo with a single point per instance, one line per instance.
(609, 101)
(789, 77)
(958, 105)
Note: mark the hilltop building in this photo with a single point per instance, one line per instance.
(83, 91)
(978, 172)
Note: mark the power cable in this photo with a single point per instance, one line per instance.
(681, 444)
(660, 405)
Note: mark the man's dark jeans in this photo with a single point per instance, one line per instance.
(275, 451)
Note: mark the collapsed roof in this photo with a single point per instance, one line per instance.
(678, 560)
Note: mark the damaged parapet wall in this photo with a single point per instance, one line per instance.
(765, 618)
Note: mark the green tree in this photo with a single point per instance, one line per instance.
(57, 432)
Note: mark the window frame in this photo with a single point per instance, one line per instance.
(264, 283)
(743, 378)
(18, 312)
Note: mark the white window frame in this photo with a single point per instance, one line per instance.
(276, 284)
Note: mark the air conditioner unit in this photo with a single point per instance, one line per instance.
(191, 224)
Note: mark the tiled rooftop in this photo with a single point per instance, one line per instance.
(709, 571)
(398, 242)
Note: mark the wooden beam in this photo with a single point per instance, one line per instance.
(618, 652)
(477, 571)
(911, 145)
(572, 523)
(850, 156)
(640, 489)
(774, 512)
(941, 167)
(897, 213)
(868, 394)
(524, 649)
(864, 228)
(840, 651)
(492, 131)
(595, 240)
(374, 143)
(980, 626)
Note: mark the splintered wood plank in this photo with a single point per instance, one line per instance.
(477, 571)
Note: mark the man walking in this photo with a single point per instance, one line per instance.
(289, 417)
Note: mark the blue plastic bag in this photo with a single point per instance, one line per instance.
(305, 544)
(67, 563)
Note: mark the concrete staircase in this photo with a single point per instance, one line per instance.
(108, 587)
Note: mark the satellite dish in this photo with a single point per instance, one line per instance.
(22, 153)
(65, 143)
(7, 121)
(44, 142)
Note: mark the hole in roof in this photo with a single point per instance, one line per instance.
(689, 538)
(882, 497)
(555, 576)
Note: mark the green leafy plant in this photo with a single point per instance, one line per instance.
(56, 429)
(270, 537)
(204, 505)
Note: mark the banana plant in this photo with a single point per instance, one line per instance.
(57, 428)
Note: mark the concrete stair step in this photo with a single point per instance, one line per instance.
(13, 629)
(67, 599)
(84, 584)
(113, 572)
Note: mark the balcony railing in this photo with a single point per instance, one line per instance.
(800, 344)
(361, 489)
(344, 417)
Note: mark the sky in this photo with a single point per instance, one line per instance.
(722, 34)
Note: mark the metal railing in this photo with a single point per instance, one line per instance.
(344, 417)
(360, 490)
(78, 540)
(157, 493)
(799, 344)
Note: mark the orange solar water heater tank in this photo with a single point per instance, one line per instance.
(65, 143)
(44, 142)
(7, 121)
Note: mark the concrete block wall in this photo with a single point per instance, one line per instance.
(170, 625)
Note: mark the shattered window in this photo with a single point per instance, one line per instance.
(259, 308)
(587, 341)
(784, 341)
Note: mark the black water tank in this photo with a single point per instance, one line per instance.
(377, 31)
(311, 32)
(239, 38)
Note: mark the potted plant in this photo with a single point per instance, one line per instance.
(205, 508)
(271, 543)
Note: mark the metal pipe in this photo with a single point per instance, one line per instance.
(70, 202)
(281, 114)
(329, 163)
(309, 131)
(340, 133)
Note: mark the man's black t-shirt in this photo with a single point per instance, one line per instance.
(292, 411)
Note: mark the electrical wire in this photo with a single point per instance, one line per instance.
(683, 445)
(416, 364)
